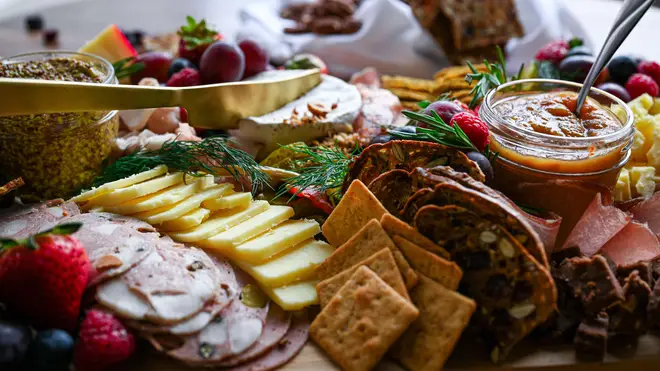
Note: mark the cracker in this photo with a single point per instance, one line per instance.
(382, 263)
(356, 208)
(368, 241)
(457, 71)
(410, 83)
(397, 227)
(412, 95)
(443, 316)
(445, 86)
(362, 321)
(410, 105)
(442, 271)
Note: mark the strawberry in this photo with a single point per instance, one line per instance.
(103, 341)
(185, 77)
(553, 51)
(639, 84)
(195, 38)
(43, 277)
(473, 127)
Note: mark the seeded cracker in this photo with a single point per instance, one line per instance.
(382, 263)
(368, 241)
(362, 321)
(396, 227)
(444, 272)
(443, 315)
(356, 208)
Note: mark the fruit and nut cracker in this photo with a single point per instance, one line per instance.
(430, 340)
(408, 83)
(362, 321)
(382, 263)
(356, 208)
(442, 271)
(369, 240)
(412, 95)
(394, 226)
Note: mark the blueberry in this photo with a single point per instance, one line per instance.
(34, 22)
(51, 350)
(14, 343)
(621, 68)
(381, 139)
(579, 50)
(178, 64)
(484, 164)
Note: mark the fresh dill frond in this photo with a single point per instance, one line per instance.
(193, 158)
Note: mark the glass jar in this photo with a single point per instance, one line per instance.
(57, 154)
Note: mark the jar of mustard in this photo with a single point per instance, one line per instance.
(56, 154)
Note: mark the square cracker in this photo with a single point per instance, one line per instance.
(442, 271)
(362, 321)
(443, 315)
(368, 241)
(397, 227)
(356, 208)
(382, 263)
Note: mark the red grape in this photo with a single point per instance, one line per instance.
(616, 90)
(256, 57)
(222, 62)
(445, 109)
(156, 65)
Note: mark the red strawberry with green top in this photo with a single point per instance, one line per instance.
(195, 38)
(103, 341)
(553, 51)
(43, 277)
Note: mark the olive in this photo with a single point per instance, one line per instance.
(14, 342)
(621, 68)
(483, 163)
(616, 90)
(576, 67)
(51, 350)
(381, 139)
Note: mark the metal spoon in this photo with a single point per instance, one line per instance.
(629, 15)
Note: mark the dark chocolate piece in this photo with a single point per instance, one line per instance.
(629, 317)
(653, 308)
(591, 338)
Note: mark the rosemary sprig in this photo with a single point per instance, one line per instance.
(193, 158)
(494, 76)
(127, 67)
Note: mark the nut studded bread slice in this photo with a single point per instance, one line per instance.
(393, 189)
(514, 292)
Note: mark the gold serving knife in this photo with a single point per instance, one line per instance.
(217, 106)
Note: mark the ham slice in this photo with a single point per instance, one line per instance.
(21, 221)
(598, 224)
(648, 211)
(633, 244)
(379, 106)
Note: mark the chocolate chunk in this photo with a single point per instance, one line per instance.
(591, 338)
(630, 317)
(653, 308)
(592, 281)
(643, 268)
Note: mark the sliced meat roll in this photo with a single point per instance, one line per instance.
(21, 221)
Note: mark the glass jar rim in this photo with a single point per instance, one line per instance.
(488, 112)
(110, 75)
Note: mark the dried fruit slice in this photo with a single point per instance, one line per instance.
(514, 292)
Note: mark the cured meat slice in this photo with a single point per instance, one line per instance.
(407, 155)
(598, 225)
(482, 205)
(648, 211)
(393, 189)
(633, 244)
(379, 108)
(21, 221)
(514, 292)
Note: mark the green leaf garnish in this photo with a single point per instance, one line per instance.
(196, 33)
(127, 67)
(576, 41)
(494, 76)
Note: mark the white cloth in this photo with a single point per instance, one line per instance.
(391, 39)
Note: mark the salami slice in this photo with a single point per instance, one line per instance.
(21, 221)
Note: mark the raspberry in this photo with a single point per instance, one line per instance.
(185, 77)
(639, 84)
(473, 127)
(103, 341)
(650, 68)
(553, 51)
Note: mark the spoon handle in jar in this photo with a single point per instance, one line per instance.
(627, 19)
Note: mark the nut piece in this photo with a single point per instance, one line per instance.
(488, 237)
(318, 109)
(505, 247)
(108, 262)
(521, 311)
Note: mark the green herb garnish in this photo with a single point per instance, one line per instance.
(494, 76)
(196, 33)
(127, 67)
(193, 158)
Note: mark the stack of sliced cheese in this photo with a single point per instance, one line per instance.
(262, 239)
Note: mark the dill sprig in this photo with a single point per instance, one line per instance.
(193, 158)
(127, 67)
(322, 169)
(494, 76)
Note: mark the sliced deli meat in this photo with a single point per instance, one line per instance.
(598, 225)
(21, 221)
(633, 244)
(648, 211)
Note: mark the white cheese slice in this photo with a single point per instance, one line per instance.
(165, 197)
(294, 297)
(187, 221)
(121, 183)
(250, 228)
(122, 195)
(296, 264)
(220, 221)
(278, 239)
(179, 209)
(239, 200)
(273, 129)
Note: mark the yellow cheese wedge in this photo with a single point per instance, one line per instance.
(296, 264)
(183, 207)
(165, 197)
(622, 191)
(294, 297)
(280, 238)
(121, 183)
(643, 179)
(121, 195)
(238, 200)
(250, 228)
(219, 222)
(190, 220)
